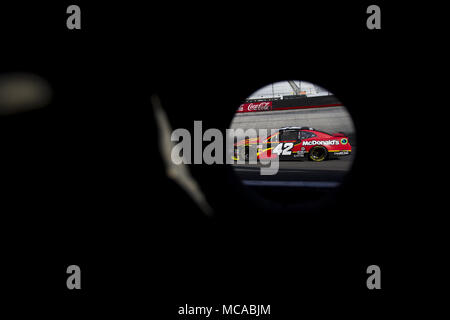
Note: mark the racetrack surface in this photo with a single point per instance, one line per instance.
(305, 173)
(329, 119)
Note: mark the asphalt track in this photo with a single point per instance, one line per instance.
(298, 173)
(329, 119)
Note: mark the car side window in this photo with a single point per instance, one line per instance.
(307, 135)
(289, 135)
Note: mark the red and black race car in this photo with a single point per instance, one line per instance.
(291, 143)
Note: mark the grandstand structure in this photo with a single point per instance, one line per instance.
(288, 89)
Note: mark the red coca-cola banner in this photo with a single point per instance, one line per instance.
(255, 106)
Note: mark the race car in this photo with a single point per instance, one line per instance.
(292, 143)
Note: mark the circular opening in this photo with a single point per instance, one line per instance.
(294, 142)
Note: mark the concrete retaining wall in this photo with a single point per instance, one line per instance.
(329, 119)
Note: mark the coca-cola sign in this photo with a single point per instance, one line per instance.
(255, 106)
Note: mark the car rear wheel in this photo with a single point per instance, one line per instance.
(318, 154)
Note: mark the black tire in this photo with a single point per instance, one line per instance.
(318, 154)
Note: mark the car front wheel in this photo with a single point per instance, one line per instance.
(318, 154)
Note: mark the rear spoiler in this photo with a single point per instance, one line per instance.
(340, 134)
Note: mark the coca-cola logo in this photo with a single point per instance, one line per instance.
(259, 106)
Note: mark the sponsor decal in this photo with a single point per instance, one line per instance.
(341, 153)
(344, 141)
(321, 142)
(257, 106)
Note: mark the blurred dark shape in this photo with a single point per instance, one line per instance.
(21, 92)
